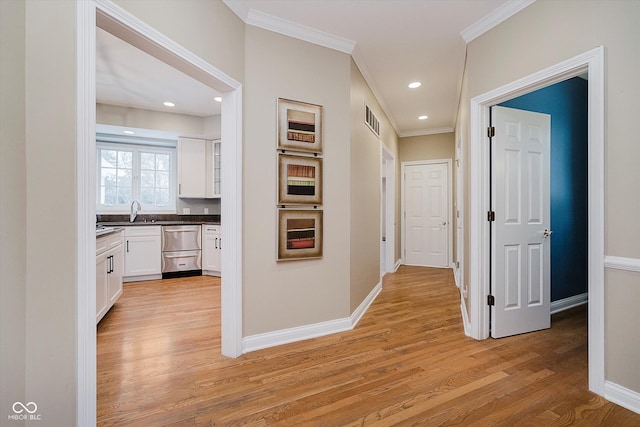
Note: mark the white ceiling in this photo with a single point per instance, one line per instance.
(394, 42)
(129, 77)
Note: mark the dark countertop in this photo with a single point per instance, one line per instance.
(106, 230)
(147, 219)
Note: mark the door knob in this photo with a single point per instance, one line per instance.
(444, 223)
(546, 233)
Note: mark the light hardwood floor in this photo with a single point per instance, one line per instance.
(407, 362)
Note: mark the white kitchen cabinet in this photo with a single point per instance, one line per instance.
(211, 249)
(109, 270)
(142, 250)
(198, 168)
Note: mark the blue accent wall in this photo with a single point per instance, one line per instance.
(567, 103)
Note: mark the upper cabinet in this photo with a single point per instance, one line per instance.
(198, 168)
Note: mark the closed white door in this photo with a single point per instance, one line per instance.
(521, 279)
(427, 214)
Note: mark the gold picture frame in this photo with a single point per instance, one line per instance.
(299, 234)
(299, 126)
(299, 180)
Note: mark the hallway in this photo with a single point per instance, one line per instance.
(407, 362)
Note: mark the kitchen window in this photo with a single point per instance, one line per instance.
(134, 172)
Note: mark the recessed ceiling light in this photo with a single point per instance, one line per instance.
(423, 117)
(129, 132)
(169, 104)
(414, 85)
(218, 98)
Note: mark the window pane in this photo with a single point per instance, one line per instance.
(108, 158)
(162, 180)
(124, 178)
(162, 198)
(147, 196)
(147, 161)
(124, 196)
(108, 177)
(108, 195)
(147, 179)
(163, 162)
(125, 160)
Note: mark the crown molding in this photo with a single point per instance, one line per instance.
(288, 28)
(424, 132)
(496, 17)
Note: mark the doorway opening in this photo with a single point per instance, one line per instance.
(591, 62)
(387, 210)
(112, 18)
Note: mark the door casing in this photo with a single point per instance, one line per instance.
(231, 210)
(591, 62)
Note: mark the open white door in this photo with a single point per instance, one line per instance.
(520, 247)
(427, 214)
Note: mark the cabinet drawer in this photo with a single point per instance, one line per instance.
(142, 230)
(107, 242)
(214, 229)
(181, 261)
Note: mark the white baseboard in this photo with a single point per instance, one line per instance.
(398, 264)
(301, 333)
(129, 279)
(456, 277)
(364, 305)
(567, 303)
(465, 318)
(622, 396)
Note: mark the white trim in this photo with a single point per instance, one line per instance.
(398, 264)
(424, 132)
(86, 354)
(388, 170)
(403, 239)
(300, 333)
(465, 316)
(289, 28)
(620, 263)
(120, 21)
(456, 277)
(593, 63)
(622, 396)
(493, 19)
(570, 302)
(364, 305)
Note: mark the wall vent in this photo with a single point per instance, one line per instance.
(371, 120)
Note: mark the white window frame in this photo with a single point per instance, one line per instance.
(137, 149)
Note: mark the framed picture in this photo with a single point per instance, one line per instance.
(299, 126)
(299, 180)
(299, 234)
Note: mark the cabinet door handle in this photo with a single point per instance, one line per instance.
(216, 243)
(127, 246)
(220, 244)
(109, 264)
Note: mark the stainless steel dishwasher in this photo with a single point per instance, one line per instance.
(181, 250)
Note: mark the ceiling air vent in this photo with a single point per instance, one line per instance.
(371, 120)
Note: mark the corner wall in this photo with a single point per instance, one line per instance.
(281, 295)
(547, 33)
(13, 204)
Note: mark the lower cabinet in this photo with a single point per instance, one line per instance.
(211, 249)
(109, 271)
(142, 246)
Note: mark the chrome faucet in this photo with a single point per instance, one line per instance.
(134, 213)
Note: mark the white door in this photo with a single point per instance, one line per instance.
(521, 280)
(427, 214)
